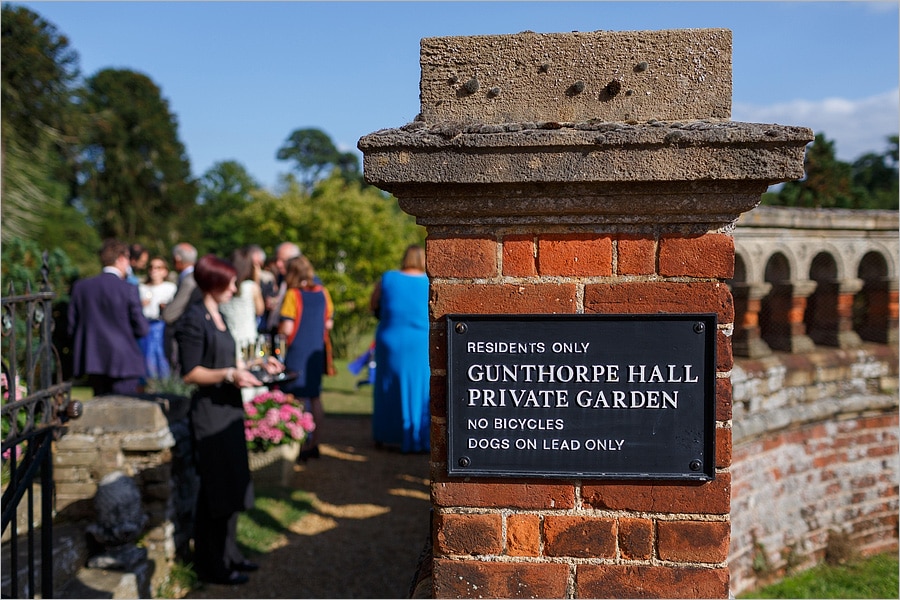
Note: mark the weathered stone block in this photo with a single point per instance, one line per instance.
(63, 458)
(150, 441)
(119, 413)
(72, 474)
(74, 442)
(578, 76)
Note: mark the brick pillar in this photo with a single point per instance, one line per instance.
(891, 311)
(580, 173)
(847, 290)
(747, 304)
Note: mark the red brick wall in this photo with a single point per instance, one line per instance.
(518, 538)
(818, 454)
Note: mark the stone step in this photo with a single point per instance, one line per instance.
(69, 554)
(71, 579)
(106, 583)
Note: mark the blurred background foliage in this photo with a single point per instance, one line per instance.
(87, 158)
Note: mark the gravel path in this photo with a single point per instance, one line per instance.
(367, 529)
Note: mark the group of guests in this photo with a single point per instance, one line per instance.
(124, 329)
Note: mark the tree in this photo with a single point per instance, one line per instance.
(225, 190)
(39, 70)
(874, 178)
(827, 182)
(316, 156)
(869, 183)
(350, 234)
(137, 184)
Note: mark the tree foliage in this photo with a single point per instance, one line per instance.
(39, 70)
(225, 191)
(22, 263)
(875, 178)
(350, 234)
(316, 156)
(870, 182)
(137, 182)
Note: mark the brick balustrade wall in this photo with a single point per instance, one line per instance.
(582, 173)
(815, 456)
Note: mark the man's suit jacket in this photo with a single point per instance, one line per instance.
(105, 322)
(187, 294)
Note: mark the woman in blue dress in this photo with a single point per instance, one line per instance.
(306, 318)
(401, 416)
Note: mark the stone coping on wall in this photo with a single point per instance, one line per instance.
(821, 218)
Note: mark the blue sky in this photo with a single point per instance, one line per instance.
(241, 76)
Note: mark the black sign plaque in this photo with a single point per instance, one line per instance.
(587, 396)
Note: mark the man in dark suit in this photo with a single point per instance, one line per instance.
(105, 322)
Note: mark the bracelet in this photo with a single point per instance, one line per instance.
(229, 375)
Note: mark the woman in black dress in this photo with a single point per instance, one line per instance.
(208, 360)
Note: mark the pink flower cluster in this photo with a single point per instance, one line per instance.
(275, 418)
(21, 392)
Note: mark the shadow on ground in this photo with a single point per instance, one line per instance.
(368, 524)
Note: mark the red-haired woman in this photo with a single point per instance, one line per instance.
(208, 360)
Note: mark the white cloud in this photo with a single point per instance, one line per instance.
(855, 126)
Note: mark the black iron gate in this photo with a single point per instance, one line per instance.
(36, 404)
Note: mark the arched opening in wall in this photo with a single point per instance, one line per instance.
(821, 317)
(871, 306)
(775, 307)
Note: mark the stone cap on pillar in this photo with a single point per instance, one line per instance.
(606, 75)
(581, 129)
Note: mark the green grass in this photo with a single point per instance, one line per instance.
(262, 528)
(179, 582)
(259, 530)
(341, 396)
(875, 577)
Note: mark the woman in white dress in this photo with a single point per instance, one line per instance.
(155, 293)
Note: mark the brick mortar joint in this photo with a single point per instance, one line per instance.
(507, 512)
(576, 279)
(575, 561)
